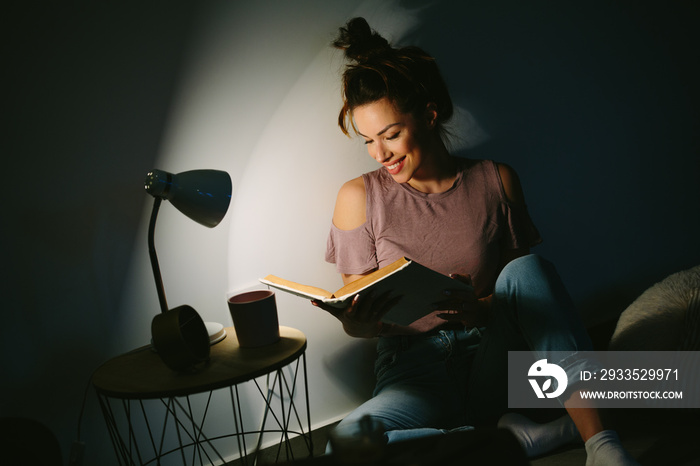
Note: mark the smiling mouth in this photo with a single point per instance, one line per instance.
(396, 164)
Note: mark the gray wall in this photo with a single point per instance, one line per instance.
(594, 103)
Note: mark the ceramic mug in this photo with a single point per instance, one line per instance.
(254, 315)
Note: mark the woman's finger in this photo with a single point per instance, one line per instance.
(371, 308)
(466, 279)
(334, 311)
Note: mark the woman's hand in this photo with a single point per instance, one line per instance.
(461, 305)
(363, 317)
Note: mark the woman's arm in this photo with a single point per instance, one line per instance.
(350, 212)
(515, 196)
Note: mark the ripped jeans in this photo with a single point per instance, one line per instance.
(455, 379)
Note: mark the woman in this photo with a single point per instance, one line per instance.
(465, 218)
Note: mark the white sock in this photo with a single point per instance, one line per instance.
(604, 449)
(538, 439)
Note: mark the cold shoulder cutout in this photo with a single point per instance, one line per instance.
(350, 205)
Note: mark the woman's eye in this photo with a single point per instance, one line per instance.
(368, 141)
(393, 136)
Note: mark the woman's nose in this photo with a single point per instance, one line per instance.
(379, 152)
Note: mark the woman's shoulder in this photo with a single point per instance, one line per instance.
(503, 175)
(508, 181)
(350, 205)
(483, 165)
(353, 189)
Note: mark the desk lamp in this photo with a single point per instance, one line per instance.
(179, 335)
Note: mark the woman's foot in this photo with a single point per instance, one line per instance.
(604, 448)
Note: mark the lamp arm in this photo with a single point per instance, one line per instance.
(154, 257)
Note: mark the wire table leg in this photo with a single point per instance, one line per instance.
(152, 430)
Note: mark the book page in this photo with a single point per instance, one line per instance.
(297, 288)
(354, 287)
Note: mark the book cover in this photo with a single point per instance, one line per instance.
(419, 288)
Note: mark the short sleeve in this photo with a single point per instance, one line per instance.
(352, 251)
(520, 231)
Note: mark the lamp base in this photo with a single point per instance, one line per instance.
(216, 332)
(180, 338)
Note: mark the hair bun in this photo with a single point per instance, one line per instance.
(359, 42)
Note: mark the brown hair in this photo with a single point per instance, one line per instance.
(407, 76)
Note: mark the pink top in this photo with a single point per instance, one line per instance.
(461, 230)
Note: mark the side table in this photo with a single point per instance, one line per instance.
(153, 413)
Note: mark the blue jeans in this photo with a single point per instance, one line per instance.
(454, 379)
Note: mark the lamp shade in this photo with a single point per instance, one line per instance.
(202, 195)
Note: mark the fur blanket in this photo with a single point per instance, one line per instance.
(665, 317)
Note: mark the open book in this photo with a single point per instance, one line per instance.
(419, 288)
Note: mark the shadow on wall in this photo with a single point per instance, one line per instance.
(90, 90)
(353, 366)
(595, 105)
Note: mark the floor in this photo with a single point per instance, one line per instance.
(665, 445)
(297, 446)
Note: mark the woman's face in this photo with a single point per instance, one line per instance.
(393, 139)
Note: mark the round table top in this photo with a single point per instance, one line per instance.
(141, 374)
